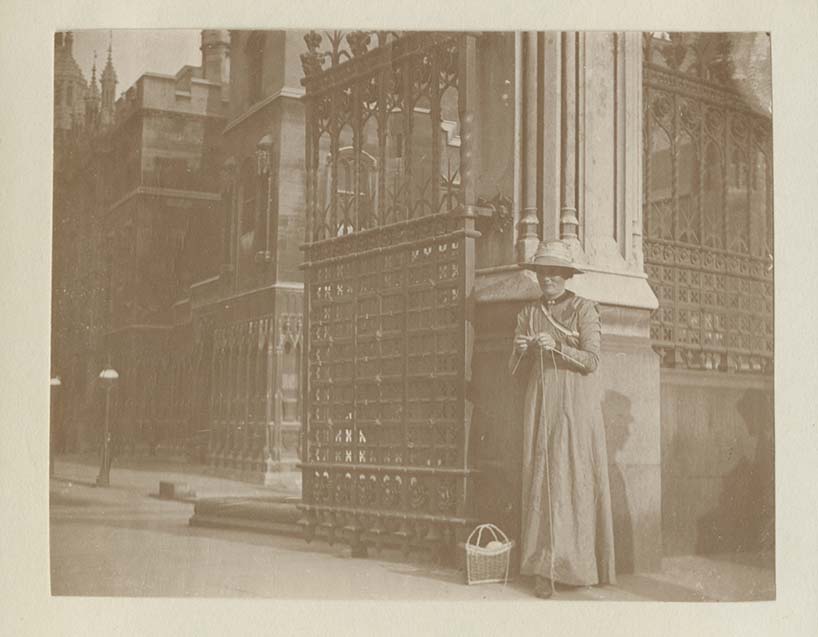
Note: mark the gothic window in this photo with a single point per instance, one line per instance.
(229, 205)
(255, 66)
(737, 204)
(712, 204)
(247, 211)
(689, 188)
(352, 214)
(759, 205)
(247, 215)
(660, 204)
(264, 172)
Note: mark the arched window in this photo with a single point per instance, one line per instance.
(688, 214)
(264, 170)
(255, 66)
(229, 212)
(659, 212)
(737, 204)
(712, 202)
(247, 203)
(353, 214)
(760, 216)
(247, 215)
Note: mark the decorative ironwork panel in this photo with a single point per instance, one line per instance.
(385, 439)
(380, 142)
(707, 209)
(388, 248)
(241, 380)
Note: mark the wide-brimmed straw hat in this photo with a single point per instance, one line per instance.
(552, 254)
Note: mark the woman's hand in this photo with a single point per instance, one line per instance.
(545, 341)
(521, 344)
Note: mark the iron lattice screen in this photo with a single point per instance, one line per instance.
(387, 256)
(707, 209)
(239, 411)
(384, 446)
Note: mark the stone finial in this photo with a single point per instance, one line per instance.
(358, 42)
(312, 61)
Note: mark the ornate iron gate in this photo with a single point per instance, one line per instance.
(388, 272)
(707, 209)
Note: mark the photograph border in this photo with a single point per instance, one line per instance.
(27, 142)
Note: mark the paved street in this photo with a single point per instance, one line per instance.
(124, 541)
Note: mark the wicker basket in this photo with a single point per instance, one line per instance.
(487, 564)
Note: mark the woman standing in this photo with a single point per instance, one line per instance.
(567, 527)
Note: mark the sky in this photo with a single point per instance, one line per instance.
(137, 51)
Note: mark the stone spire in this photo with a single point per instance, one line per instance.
(92, 98)
(70, 87)
(108, 82)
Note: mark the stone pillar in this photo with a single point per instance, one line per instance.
(599, 189)
(552, 158)
(529, 224)
(609, 207)
(570, 125)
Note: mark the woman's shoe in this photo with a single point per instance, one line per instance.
(543, 587)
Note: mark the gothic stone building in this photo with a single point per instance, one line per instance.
(192, 231)
(136, 207)
(83, 116)
(248, 314)
(418, 170)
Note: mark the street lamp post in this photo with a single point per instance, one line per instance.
(108, 377)
(55, 385)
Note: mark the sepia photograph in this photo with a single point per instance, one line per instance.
(413, 315)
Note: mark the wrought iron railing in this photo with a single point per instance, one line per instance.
(707, 208)
(715, 308)
(239, 410)
(378, 148)
(388, 252)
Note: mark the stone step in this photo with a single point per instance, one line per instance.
(175, 490)
(273, 514)
(279, 515)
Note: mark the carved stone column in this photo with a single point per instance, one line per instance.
(570, 123)
(608, 178)
(529, 223)
(591, 164)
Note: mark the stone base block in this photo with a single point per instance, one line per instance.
(175, 491)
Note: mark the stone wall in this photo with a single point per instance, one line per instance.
(717, 463)
(291, 191)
